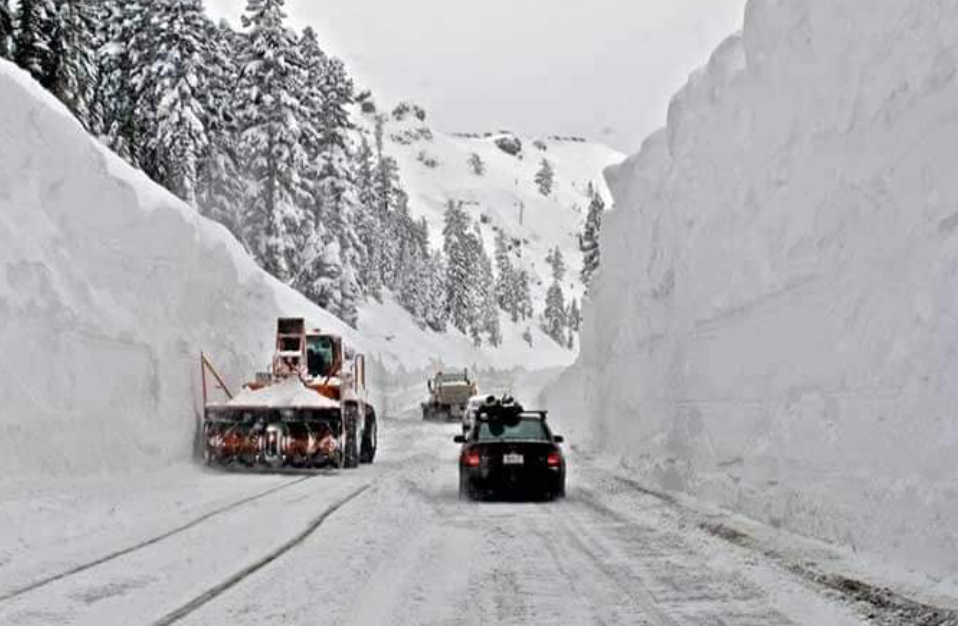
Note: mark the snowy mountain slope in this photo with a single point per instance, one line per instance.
(505, 196)
(110, 287)
(774, 326)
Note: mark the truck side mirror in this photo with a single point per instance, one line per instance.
(459, 439)
(558, 439)
(429, 385)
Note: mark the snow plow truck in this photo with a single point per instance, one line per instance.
(310, 410)
(449, 394)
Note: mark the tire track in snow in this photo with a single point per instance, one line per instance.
(73, 571)
(213, 593)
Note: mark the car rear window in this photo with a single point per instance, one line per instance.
(528, 429)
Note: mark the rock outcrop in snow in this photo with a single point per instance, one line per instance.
(775, 325)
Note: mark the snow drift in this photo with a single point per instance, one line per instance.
(775, 326)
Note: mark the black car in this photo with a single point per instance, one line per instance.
(514, 456)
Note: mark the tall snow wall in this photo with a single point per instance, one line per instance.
(109, 289)
(775, 325)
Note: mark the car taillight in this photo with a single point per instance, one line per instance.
(471, 459)
(554, 459)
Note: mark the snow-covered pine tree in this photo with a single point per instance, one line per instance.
(127, 50)
(176, 82)
(489, 308)
(6, 30)
(412, 258)
(271, 118)
(477, 165)
(589, 241)
(369, 223)
(322, 277)
(35, 27)
(554, 319)
(71, 73)
(338, 197)
(507, 297)
(545, 178)
(524, 294)
(554, 322)
(436, 313)
(350, 298)
(575, 316)
(459, 275)
(557, 264)
(220, 188)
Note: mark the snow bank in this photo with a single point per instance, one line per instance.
(775, 327)
(109, 288)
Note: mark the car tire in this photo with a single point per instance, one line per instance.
(466, 493)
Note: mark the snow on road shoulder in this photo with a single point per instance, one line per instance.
(774, 325)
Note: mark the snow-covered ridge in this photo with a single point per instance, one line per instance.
(775, 325)
(436, 167)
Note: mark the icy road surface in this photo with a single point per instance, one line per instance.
(388, 544)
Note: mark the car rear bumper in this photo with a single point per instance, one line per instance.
(513, 481)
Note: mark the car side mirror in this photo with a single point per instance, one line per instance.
(558, 439)
(459, 439)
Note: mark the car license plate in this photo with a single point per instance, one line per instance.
(513, 459)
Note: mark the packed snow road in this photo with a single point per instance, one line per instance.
(392, 544)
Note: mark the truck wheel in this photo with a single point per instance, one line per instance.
(367, 452)
(351, 453)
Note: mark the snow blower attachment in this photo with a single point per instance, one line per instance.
(310, 410)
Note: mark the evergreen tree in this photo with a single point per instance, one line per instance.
(489, 308)
(554, 317)
(477, 165)
(337, 188)
(271, 118)
(457, 249)
(177, 82)
(557, 263)
(589, 241)
(350, 298)
(33, 43)
(575, 316)
(220, 186)
(370, 222)
(125, 29)
(6, 30)
(436, 311)
(527, 336)
(71, 73)
(524, 295)
(322, 277)
(508, 296)
(545, 178)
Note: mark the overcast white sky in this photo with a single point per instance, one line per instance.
(601, 68)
